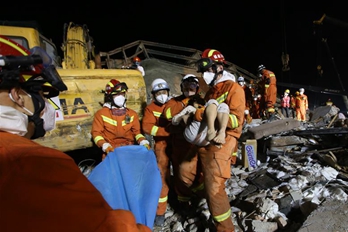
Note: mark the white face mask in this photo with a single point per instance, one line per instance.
(208, 77)
(241, 83)
(119, 100)
(162, 98)
(49, 116)
(286, 94)
(189, 93)
(24, 108)
(13, 121)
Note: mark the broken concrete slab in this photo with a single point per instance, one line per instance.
(278, 141)
(273, 127)
(262, 226)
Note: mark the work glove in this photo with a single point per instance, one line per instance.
(145, 143)
(107, 148)
(246, 112)
(187, 110)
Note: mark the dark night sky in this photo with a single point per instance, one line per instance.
(248, 33)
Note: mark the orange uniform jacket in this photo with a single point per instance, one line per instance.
(42, 189)
(270, 89)
(154, 121)
(233, 95)
(301, 102)
(116, 130)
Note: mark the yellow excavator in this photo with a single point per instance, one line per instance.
(81, 71)
(86, 72)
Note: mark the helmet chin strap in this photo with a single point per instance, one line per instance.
(214, 67)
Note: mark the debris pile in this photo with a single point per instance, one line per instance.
(302, 166)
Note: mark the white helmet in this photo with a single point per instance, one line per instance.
(301, 90)
(190, 76)
(159, 84)
(260, 67)
(240, 79)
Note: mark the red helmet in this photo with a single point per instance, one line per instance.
(214, 55)
(114, 86)
(40, 74)
(136, 59)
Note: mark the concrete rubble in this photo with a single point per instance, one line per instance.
(299, 183)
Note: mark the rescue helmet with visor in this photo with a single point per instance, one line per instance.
(189, 81)
(36, 74)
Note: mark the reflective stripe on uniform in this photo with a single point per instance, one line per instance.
(109, 120)
(169, 114)
(222, 217)
(184, 199)
(154, 130)
(98, 138)
(157, 114)
(198, 188)
(138, 136)
(234, 121)
(163, 199)
(222, 98)
(234, 153)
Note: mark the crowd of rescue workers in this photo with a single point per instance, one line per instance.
(195, 134)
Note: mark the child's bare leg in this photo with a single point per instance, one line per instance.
(221, 134)
(211, 113)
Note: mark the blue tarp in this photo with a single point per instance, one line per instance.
(129, 178)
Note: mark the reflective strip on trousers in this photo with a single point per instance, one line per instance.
(222, 217)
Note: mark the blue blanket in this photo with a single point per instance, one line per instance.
(129, 178)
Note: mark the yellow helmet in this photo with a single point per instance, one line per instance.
(287, 91)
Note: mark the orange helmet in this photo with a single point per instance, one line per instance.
(136, 59)
(114, 86)
(214, 55)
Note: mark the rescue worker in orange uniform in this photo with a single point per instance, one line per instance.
(42, 189)
(256, 111)
(248, 99)
(301, 105)
(269, 90)
(155, 123)
(215, 159)
(293, 103)
(180, 146)
(252, 87)
(285, 103)
(115, 125)
(136, 65)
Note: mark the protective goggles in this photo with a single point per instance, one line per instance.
(190, 85)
